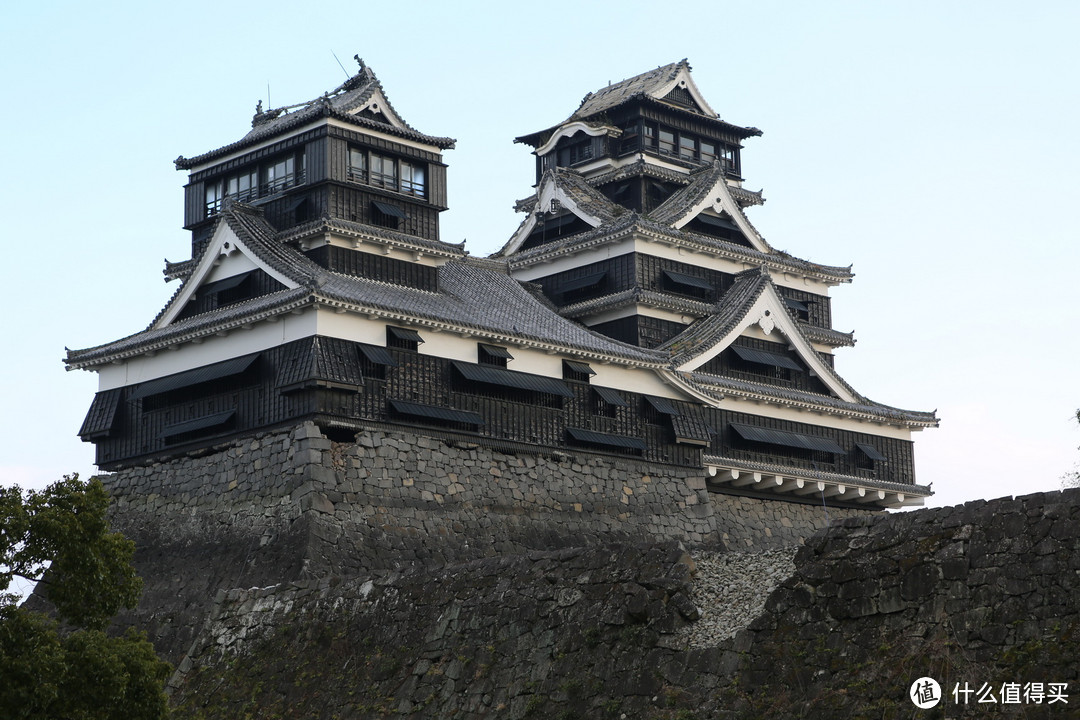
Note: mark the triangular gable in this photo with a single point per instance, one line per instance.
(377, 104)
(682, 80)
(226, 254)
(557, 190)
(769, 313)
(709, 192)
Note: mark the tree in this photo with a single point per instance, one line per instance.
(1071, 479)
(60, 538)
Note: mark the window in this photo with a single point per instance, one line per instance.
(493, 355)
(387, 172)
(383, 172)
(213, 198)
(708, 151)
(357, 165)
(667, 142)
(403, 338)
(280, 175)
(387, 215)
(576, 371)
(412, 179)
(687, 147)
(243, 186)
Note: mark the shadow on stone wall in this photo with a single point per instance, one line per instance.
(979, 594)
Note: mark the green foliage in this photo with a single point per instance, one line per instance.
(60, 538)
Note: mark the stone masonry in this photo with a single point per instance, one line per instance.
(292, 505)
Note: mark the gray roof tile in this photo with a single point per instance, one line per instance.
(338, 103)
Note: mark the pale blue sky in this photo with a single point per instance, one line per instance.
(930, 144)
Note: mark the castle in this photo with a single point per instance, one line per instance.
(635, 314)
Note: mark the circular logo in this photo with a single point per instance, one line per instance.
(925, 693)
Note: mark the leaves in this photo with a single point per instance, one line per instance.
(60, 537)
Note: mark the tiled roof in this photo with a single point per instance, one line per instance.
(727, 313)
(392, 237)
(642, 87)
(618, 93)
(707, 181)
(338, 103)
(733, 386)
(477, 294)
(632, 222)
(919, 490)
(635, 296)
(827, 336)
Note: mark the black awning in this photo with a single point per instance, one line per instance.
(786, 439)
(611, 397)
(796, 304)
(579, 367)
(99, 419)
(582, 282)
(230, 282)
(203, 423)
(764, 357)
(687, 280)
(496, 351)
(717, 222)
(552, 223)
(194, 377)
(691, 429)
(377, 355)
(435, 412)
(491, 375)
(404, 334)
(871, 452)
(662, 405)
(388, 209)
(606, 439)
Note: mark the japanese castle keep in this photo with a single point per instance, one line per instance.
(636, 330)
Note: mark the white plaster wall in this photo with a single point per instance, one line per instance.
(261, 336)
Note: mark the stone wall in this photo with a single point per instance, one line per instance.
(293, 505)
(981, 594)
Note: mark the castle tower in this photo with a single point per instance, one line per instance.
(636, 314)
(638, 230)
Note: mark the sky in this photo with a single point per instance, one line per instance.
(932, 145)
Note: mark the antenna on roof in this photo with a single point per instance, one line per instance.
(339, 63)
(268, 95)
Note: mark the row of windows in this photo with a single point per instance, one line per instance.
(366, 166)
(254, 182)
(664, 140)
